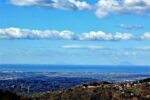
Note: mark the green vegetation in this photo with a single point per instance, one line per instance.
(91, 91)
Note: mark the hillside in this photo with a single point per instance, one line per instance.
(101, 91)
(138, 90)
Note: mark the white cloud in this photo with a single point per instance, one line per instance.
(131, 27)
(11, 32)
(95, 36)
(125, 53)
(93, 47)
(138, 7)
(146, 36)
(67, 35)
(143, 47)
(17, 33)
(24, 2)
(80, 5)
(105, 36)
(102, 8)
(58, 4)
(125, 36)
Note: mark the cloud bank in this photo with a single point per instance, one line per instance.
(56, 4)
(102, 8)
(138, 7)
(17, 33)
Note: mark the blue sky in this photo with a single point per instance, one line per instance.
(99, 32)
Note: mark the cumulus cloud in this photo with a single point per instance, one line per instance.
(95, 36)
(57, 4)
(145, 36)
(102, 8)
(125, 36)
(130, 27)
(99, 35)
(82, 47)
(17, 33)
(138, 7)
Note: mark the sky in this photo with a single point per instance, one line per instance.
(78, 32)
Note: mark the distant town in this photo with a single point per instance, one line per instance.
(36, 82)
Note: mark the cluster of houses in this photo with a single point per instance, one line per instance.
(127, 89)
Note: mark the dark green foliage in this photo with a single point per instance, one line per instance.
(6, 95)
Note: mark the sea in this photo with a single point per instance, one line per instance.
(99, 72)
